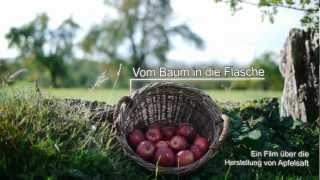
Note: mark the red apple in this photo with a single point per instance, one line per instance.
(202, 143)
(164, 156)
(168, 142)
(187, 131)
(178, 143)
(153, 134)
(197, 136)
(155, 125)
(135, 137)
(185, 157)
(196, 151)
(146, 150)
(161, 144)
(168, 132)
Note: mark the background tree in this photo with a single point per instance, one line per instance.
(270, 7)
(273, 78)
(49, 48)
(139, 30)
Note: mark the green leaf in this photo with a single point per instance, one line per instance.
(255, 134)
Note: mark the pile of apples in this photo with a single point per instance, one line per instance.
(168, 145)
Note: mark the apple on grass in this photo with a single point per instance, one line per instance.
(185, 157)
(178, 143)
(202, 143)
(135, 137)
(186, 130)
(164, 156)
(146, 150)
(153, 134)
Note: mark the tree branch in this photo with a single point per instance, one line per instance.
(279, 5)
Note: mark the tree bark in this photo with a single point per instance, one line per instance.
(300, 68)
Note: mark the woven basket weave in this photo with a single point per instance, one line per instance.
(170, 104)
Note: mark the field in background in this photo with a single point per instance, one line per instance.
(112, 96)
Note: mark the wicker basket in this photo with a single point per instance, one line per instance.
(170, 104)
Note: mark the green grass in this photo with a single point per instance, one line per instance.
(112, 96)
(105, 95)
(53, 140)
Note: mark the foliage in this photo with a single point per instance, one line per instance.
(273, 78)
(78, 75)
(142, 27)
(55, 140)
(82, 73)
(40, 45)
(269, 8)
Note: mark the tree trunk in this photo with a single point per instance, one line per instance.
(54, 79)
(300, 68)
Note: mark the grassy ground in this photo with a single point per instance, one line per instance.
(53, 140)
(112, 96)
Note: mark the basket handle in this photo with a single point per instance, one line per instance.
(225, 130)
(126, 100)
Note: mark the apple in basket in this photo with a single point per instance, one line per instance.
(135, 137)
(186, 130)
(202, 143)
(196, 151)
(161, 144)
(153, 134)
(168, 132)
(178, 143)
(168, 145)
(184, 158)
(155, 125)
(146, 150)
(164, 156)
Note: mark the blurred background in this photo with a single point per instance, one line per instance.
(72, 48)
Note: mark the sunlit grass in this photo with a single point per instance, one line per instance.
(106, 95)
(112, 96)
